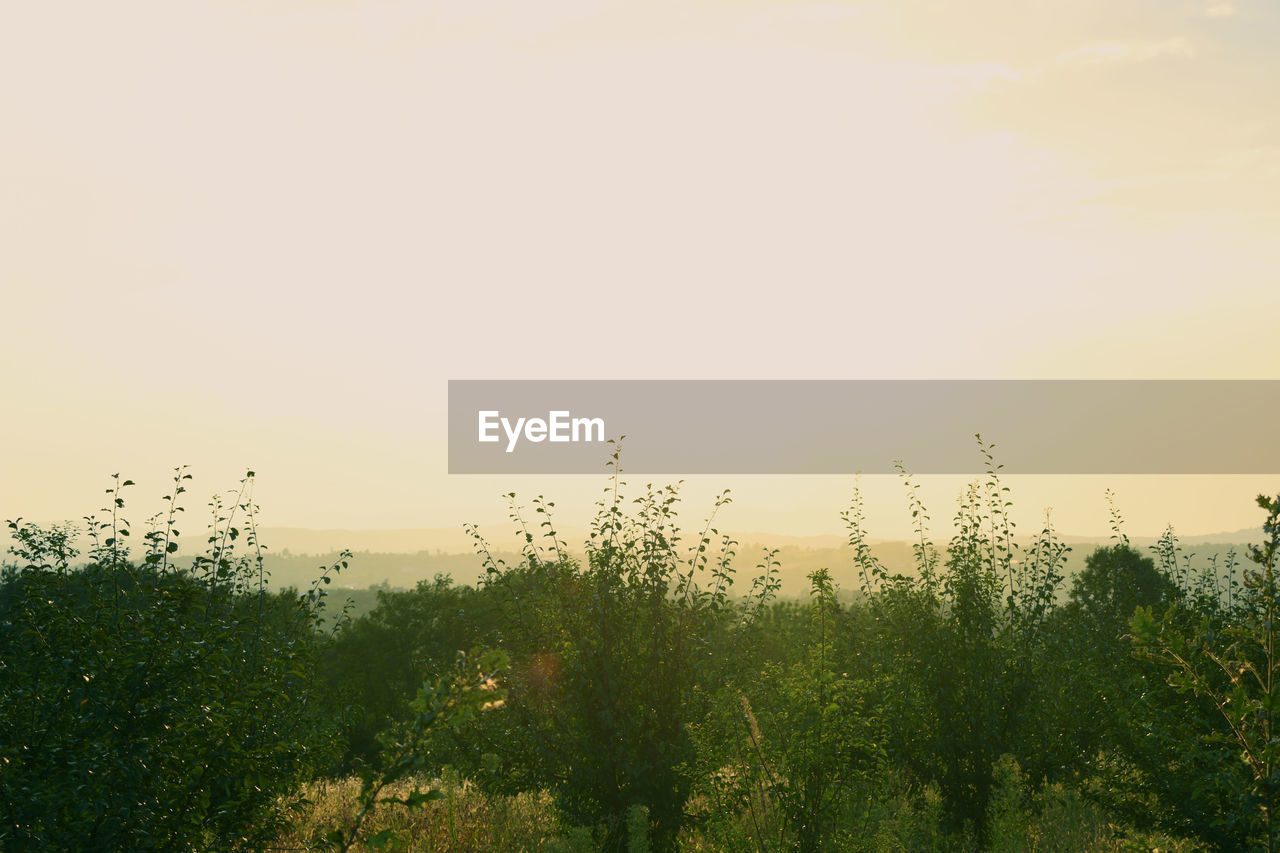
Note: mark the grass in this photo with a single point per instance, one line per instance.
(466, 820)
(1055, 818)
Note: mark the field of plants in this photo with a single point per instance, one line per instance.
(638, 692)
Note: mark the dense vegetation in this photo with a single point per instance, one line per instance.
(147, 707)
(636, 694)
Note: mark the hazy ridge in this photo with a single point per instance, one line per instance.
(402, 558)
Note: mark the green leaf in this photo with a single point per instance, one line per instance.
(382, 839)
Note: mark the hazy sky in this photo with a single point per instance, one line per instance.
(247, 234)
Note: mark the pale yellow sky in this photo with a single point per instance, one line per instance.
(259, 235)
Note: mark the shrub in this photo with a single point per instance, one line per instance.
(377, 662)
(607, 654)
(958, 644)
(147, 706)
(1229, 657)
(816, 746)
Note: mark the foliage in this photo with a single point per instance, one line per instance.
(147, 706)
(377, 663)
(607, 655)
(450, 702)
(965, 704)
(1115, 582)
(823, 748)
(1231, 657)
(959, 644)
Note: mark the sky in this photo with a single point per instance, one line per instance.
(243, 235)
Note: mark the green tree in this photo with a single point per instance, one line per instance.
(817, 743)
(1230, 657)
(147, 706)
(1115, 581)
(958, 645)
(378, 661)
(451, 703)
(607, 654)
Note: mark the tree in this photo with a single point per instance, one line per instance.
(1115, 581)
(147, 706)
(817, 741)
(607, 653)
(379, 660)
(1230, 656)
(959, 644)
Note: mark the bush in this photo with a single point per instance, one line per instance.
(959, 643)
(151, 707)
(378, 662)
(1226, 658)
(607, 654)
(808, 751)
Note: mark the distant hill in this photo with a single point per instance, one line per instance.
(400, 558)
(798, 557)
(303, 540)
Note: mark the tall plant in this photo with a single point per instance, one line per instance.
(607, 653)
(958, 640)
(1231, 658)
(813, 742)
(147, 705)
